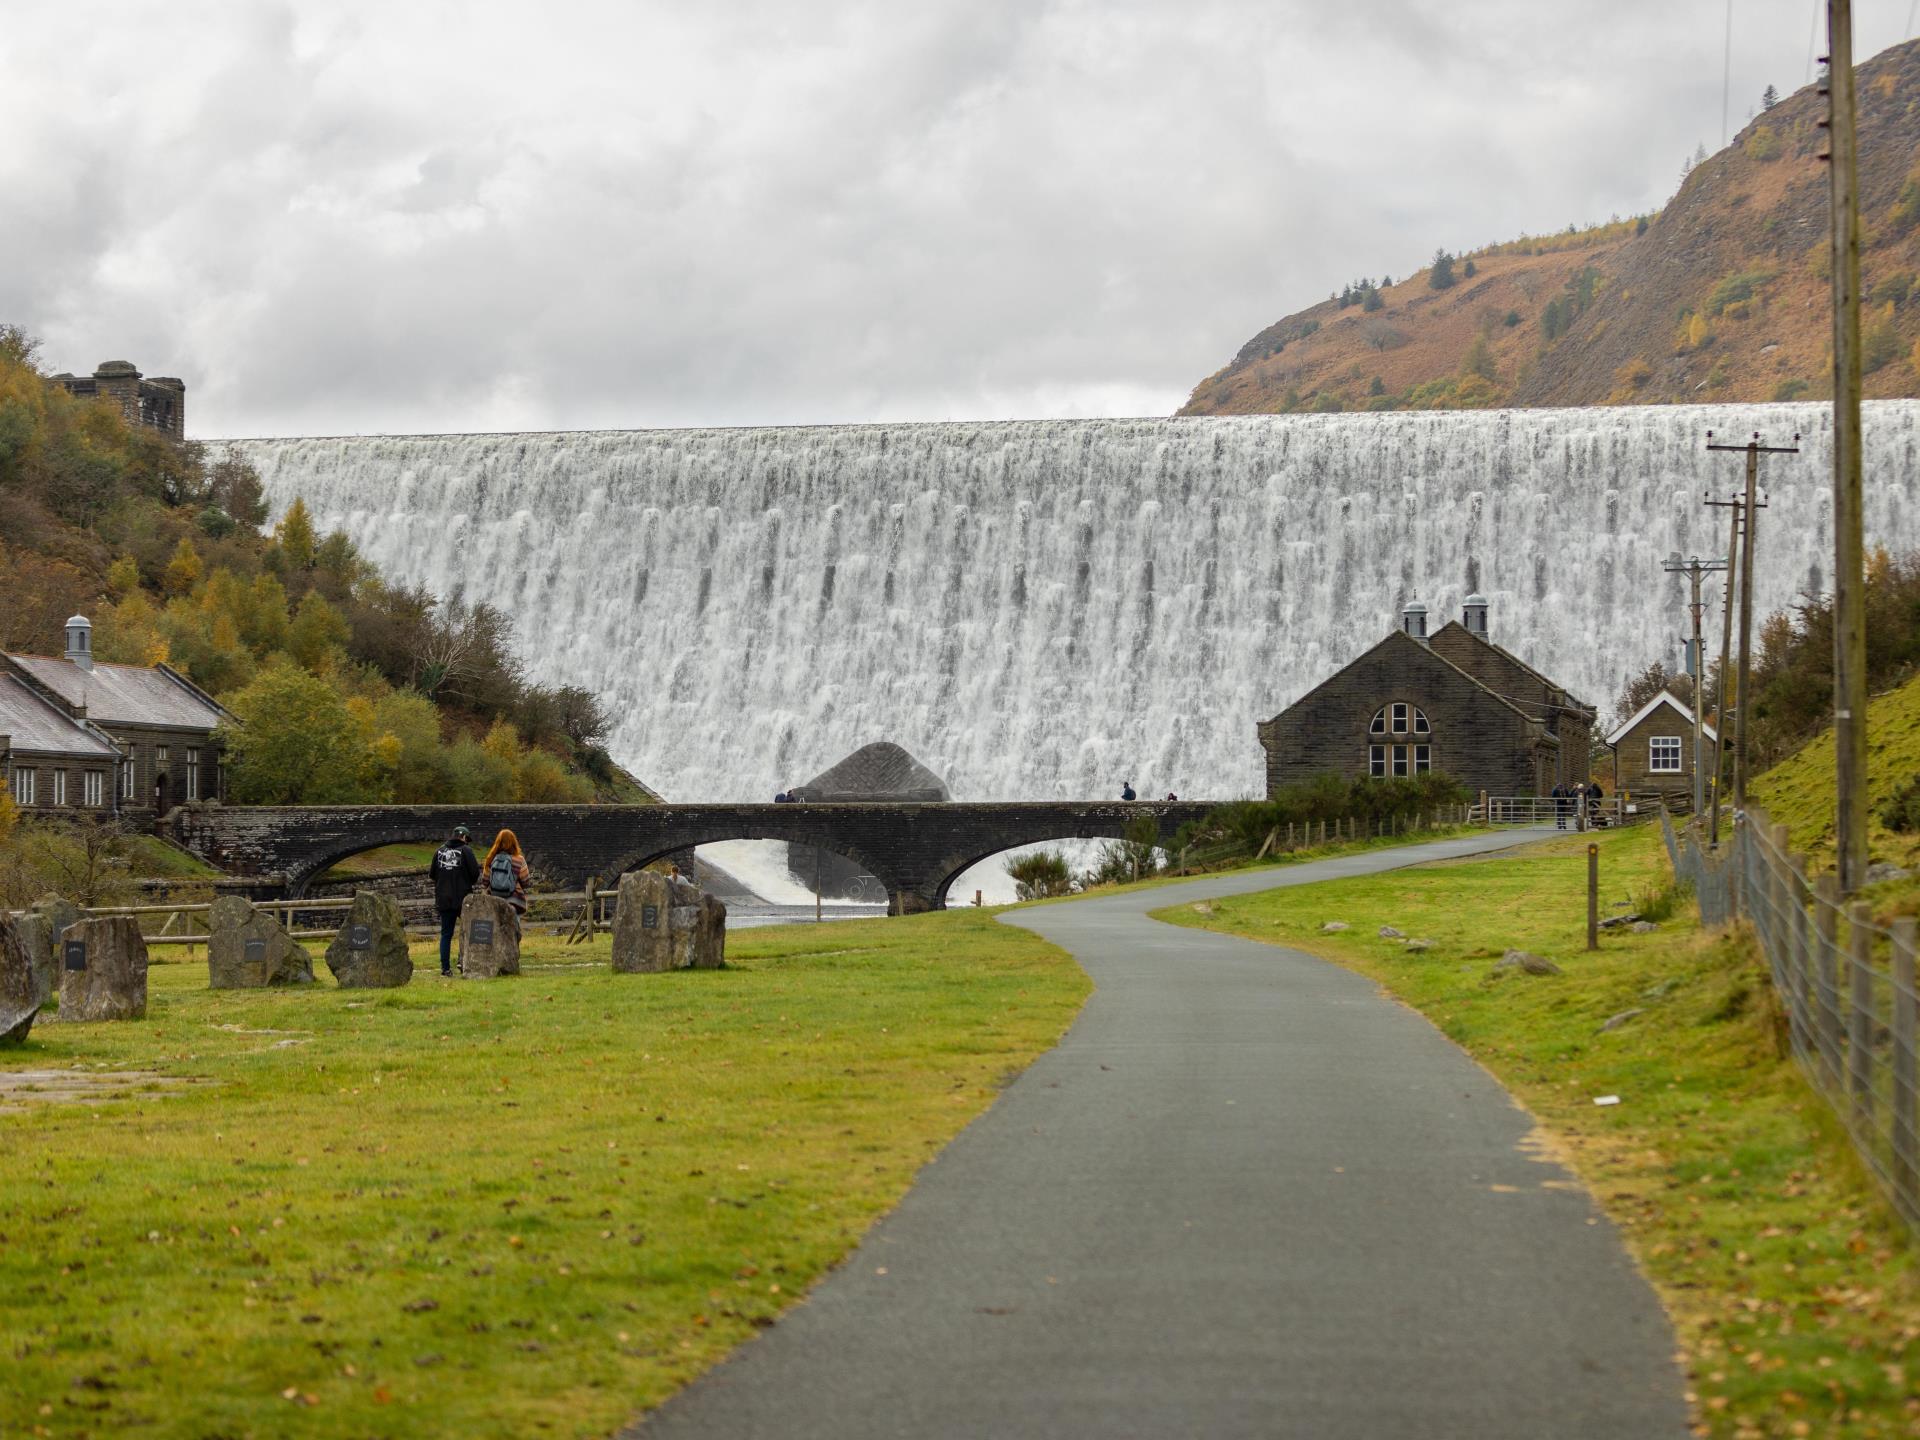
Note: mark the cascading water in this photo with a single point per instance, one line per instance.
(1049, 608)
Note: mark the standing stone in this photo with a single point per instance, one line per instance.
(49, 919)
(248, 949)
(36, 936)
(370, 952)
(103, 970)
(664, 923)
(489, 938)
(20, 1000)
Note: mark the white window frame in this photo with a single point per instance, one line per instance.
(1377, 761)
(159, 757)
(1401, 761)
(1422, 759)
(1657, 746)
(1379, 725)
(59, 787)
(23, 777)
(92, 789)
(1420, 726)
(193, 774)
(126, 778)
(1401, 717)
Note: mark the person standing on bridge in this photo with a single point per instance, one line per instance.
(507, 871)
(455, 873)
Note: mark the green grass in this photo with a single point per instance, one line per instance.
(410, 856)
(531, 1207)
(147, 855)
(1794, 1294)
(1799, 791)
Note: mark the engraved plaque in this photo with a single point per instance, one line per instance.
(481, 933)
(649, 917)
(76, 953)
(256, 950)
(360, 937)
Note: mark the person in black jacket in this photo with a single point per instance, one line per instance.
(455, 872)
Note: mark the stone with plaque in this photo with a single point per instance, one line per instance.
(103, 970)
(370, 951)
(489, 937)
(248, 949)
(663, 922)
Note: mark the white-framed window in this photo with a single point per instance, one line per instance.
(159, 757)
(193, 774)
(91, 789)
(1663, 754)
(1398, 720)
(23, 786)
(126, 778)
(59, 787)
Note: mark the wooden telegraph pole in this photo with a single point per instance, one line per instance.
(1693, 568)
(1726, 669)
(1849, 564)
(1750, 508)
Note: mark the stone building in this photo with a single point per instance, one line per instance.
(1452, 702)
(159, 403)
(48, 760)
(158, 725)
(1653, 750)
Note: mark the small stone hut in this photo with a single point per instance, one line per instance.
(1653, 750)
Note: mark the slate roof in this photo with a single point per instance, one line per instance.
(1672, 701)
(1394, 637)
(33, 725)
(880, 771)
(125, 694)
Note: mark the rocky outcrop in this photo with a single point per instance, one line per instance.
(248, 949)
(103, 970)
(664, 923)
(370, 952)
(489, 938)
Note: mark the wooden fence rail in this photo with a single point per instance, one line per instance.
(1845, 985)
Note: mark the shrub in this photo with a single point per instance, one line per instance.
(1378, 386)
(1901, 810)
(1041, 874)
(1511, 319)
(1881, 344)
(1763, 144)
(1790, 389)
(1469, 270)
(1906, 210)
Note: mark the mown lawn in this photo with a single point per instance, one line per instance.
(1794, 1294)
(531, 1207)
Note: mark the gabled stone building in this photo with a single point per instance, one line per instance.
(157, 725)
(1653, 750)
(1452, 702)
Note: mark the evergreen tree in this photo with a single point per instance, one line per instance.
(1470, 270)
(1769, 98)
(1440, 277)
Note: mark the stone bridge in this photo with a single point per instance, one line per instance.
(915, 850)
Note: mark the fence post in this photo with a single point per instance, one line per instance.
(1593, 897)
(1799, 954)
(1289, 835)
(1826, 929)
(1905, 1091)
(1860, 1009)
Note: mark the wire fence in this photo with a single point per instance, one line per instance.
(1845, 985)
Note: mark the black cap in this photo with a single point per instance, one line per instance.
(461, 831)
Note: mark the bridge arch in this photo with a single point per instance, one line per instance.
(954, 865)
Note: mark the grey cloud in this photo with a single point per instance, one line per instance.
(446, 216)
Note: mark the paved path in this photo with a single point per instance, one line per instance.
(1245, 1196)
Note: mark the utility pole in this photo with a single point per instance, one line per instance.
(1693, 568)
(1750, 508)
(1726, 668)
(1849, 563)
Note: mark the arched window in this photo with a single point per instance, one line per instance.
(1400, 741)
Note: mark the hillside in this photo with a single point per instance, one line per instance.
(1799, 791)
(352, 690)
(1721, 296)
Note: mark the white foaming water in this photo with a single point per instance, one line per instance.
(1048, 608)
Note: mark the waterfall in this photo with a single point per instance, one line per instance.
(1048, 608)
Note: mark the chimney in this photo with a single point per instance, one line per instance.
(1413, 620)
(80, 641)
(1474, 617)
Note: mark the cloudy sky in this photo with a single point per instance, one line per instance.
(398, 216)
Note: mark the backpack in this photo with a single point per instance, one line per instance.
(500, 879)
